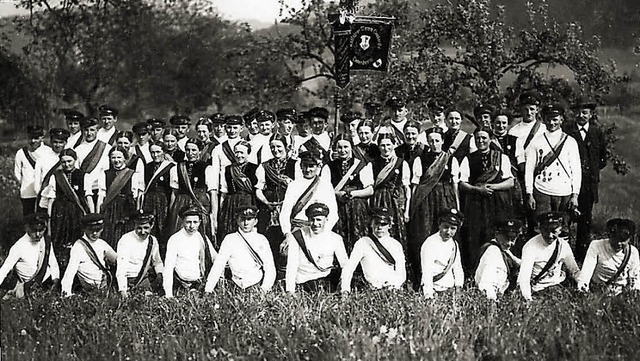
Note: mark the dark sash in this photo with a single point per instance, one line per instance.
(492, 171)
(623, 265)
(140, 154)
(228, 152)
(119, 182)
(183, 174)
(358, 153)
(280, 179)
(113, 138)
(254, 254)
(44, 263)
(531, 134)
(548, 265)
(94, 258)
(65, 187)
(240, 179)
(551, 156)
(78, 142)
(430, 178)
(507, 261)
(159, 173)
(305, 197)
(313, 143)
(357, 166)
(92, 159)
(447, 268)
(303, 246)
(386, 173)
(207, 262)
(146, 263)
(398, 133)
(382, 251)
(29, 157)
(457, 141)
(45, 181)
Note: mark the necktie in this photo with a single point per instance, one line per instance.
(583, 132)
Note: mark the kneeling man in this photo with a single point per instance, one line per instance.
(90, 258)
(545, 257)
(248, 254)
(190, 254)
(311, 252)
(612, 264)
(381, 256)
(31, 260)
(138, 251)
(440, 256)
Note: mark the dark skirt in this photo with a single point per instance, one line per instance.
(65, 228)
(227, 217)
(174, 223)
(353, 221)
(117, 219)
(393, 199)
(157, 203)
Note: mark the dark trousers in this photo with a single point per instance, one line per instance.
(546, 203)
(28, 206)
(583, 236)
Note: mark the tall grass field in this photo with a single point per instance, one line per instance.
(365, 325)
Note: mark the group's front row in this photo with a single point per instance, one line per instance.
(191, 263)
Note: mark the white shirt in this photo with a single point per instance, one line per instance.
(298, 141)
(505, 167)
(144, 150)
(365, 174)
(417, 170)
(24, 256)
(435, 254)
(602, 263)
(245, 270)
(260, 145)
(521, 131)
(50, 190)
(389, 129)
(492, 274)
(323, 247)
(131, 253)
(73, 139)
(182, 142)
(43, 166)
(183, 257)
(103, 164)
(219, 161)
(83, 266)
(377, 272)
(535, 254)
(324, 194)
(557, 179)
(105, 135)
(25, 172)
(137, 184)
(208, 177)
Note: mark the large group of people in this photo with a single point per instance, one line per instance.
(266, 199)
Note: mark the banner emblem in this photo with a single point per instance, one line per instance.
(364, 42)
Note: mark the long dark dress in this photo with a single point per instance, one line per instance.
(353, 215)
(117, 213)
(240, 192)
(481, 211)
(196, 176)
(390, 194)
(66, 214)
(156, 199)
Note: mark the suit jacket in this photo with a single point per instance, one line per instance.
(593, 155)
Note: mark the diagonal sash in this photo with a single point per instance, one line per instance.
(449, 265)
(65, 187)
(146, 263)
(355, 168)
(45, 180)
(531, 134)
(119, 182)
(92, 159)
(30, 159)
(254, 254)
(205, 257)
(491, 173)
(382, 251)
(158, 173)
(43, 263)
(113, 138)
(457, 141)
(304, 198)
(184, 176)
(358, 152)
(429, 179)
(299, 237)
(279, 179)
(240, 179)
(398, 133)
(548, 265)
(228, 152)
(551, 156)
(386, 173)
(93, 256)
(78, 142)
(623, 265)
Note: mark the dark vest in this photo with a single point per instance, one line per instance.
(339, 168)
(111, 175)
(77, 184)
(478, 164)
(249, 171)
(427, 159)
(463, 149)
(289, 170)
(196, 171)
(396, 180)
(160, 183)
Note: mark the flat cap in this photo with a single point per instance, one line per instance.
(156, 123)
(59, 133)
(395, 102)
(233, 120)
(38, 219)
(87, 122)
(180, 119)
(451, 216)
(106, 109)
(287, 114)
(552, 109)
(350, 116)
(92, 220)
(140, 128)
(318, 112)
(247, 212)
(317, 209)
(529, 97)
(551, 219)
(621, 224)
(381, 215)
(35, 131)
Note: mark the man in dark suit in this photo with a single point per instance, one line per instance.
(593, 151)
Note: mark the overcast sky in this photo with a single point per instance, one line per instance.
(261, 10)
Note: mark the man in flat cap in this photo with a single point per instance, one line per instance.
(31, 260)
(93, 154)
(218, 131)
(553, 173)
(24, 168)
(592, 146)
(223, 155)
(319, 140)
(90, 258)
(138, 253)
(260, 149)
(303, 130)
(612, 264)
(142, 142)
(440, 256)
(248, 255)
(497, 265)
(483, 114)
(380, 255)
(49, 162)
(546, 257)
(72, 120)
(109, 118)
(157, 128)
(530, 126)
(351, 119)
(311, 252)
(287, 119)
(190, 254)
(397, 110)
(251, 123)
(181, 124)
(436, 115)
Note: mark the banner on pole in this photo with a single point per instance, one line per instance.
(341, 38)
(370, 41)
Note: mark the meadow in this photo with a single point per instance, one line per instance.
(366, 325)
